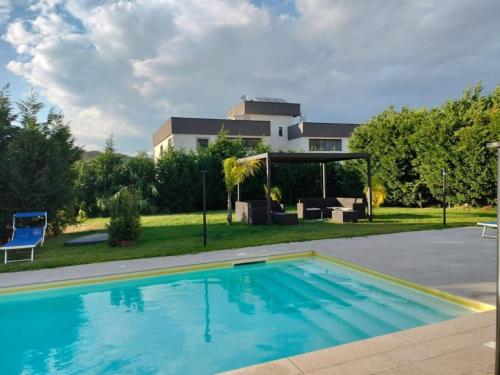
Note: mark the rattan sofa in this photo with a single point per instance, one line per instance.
(318, 208)
(255, 211)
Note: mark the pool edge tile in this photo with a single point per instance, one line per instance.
(279, 367)
(145, 274)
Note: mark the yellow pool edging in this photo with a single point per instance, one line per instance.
(143, 274)
(466, 302)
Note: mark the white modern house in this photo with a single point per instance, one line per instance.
(274, 122)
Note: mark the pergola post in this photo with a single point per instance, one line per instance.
(323, 174)
(238, 192)
(268, 190)
(370, 199)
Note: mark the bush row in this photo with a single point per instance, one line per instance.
(411, 147)
(173, 183)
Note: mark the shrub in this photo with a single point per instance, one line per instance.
(124, 226)
(379, 193)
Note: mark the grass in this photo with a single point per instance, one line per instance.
(182, 234)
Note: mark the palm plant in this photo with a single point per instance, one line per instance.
(234, 174)
(275, 193)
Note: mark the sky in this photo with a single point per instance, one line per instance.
(124, 67)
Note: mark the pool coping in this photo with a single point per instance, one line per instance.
(471, 304)
(123, 276)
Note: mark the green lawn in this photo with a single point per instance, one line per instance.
(181, 234)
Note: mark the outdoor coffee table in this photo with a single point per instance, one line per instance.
(346, 215)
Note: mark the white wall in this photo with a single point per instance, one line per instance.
(276, 142)
(302, 144)
(157, 148)
(188, 142)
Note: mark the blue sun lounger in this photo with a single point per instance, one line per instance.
(26, 237)
(486, 225)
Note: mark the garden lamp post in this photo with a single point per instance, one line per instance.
(496, 146)
(443, 171)
(204, 192)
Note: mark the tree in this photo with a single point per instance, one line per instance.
(139, 173)
(107, 166)
(37, 166)
(454, 138)
(177, 175)
(410, 148)
(7, 118)
(29, 109)
(388, 137)
(234, 174)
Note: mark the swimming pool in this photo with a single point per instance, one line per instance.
(206, 321)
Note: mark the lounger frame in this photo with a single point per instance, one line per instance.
(25, 247)
(488, 226)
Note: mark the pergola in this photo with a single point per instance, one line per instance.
(310, 157)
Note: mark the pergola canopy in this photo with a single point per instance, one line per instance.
(310, 157)
(303, 157)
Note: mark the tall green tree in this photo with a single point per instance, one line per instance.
(177, 180)
(37, 166)
(7, 118)
(410, 148)
(139, 173)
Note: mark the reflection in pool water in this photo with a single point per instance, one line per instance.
(204, 322)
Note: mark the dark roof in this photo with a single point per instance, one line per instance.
(321, 129)
(265, 108)
(211, 126)
(303, 157)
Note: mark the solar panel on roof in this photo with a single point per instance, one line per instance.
(269, 100)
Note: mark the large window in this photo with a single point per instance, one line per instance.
(249, 143)
(325, 145)
(201, 143)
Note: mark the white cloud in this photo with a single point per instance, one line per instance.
(5, 8)
(123, 67)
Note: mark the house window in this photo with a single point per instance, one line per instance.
(251, 143)
(161, 150)
(201, 143)
(325, 145)
(169, 144)
(280, 131)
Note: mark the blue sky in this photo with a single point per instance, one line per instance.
(123, 67)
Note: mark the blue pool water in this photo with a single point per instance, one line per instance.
(204, 322)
